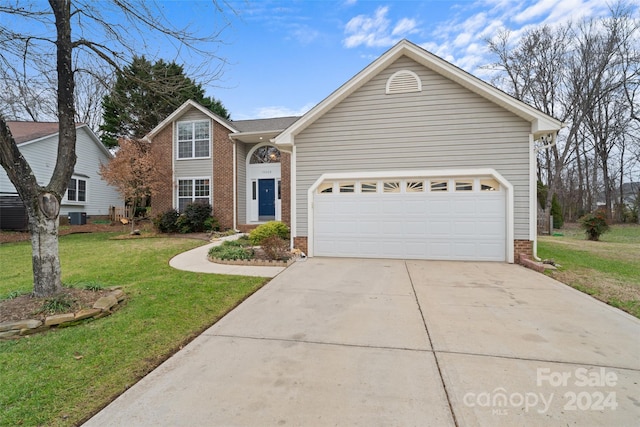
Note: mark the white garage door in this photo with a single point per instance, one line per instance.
(439, 219)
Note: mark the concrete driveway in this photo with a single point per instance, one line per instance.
(388, 342)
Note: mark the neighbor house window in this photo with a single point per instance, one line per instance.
(193, 191)
(193, 139)
(77, 190)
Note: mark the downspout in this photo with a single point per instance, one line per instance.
(536, 150)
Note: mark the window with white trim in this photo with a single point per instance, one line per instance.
(193, 139)
(197, 190)
(77, 190)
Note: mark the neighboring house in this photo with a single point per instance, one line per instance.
(87, 192)
(412, 158)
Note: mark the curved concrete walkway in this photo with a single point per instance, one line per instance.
(196, 260)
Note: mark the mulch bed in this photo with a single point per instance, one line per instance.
(28, 307)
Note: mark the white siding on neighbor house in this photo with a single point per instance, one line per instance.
(42, 155)
(445, 126)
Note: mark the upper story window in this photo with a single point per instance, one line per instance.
(77, 190)
(194, 139)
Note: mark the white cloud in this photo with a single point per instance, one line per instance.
(376, 30)
(461, 39)
(405, 26)
(536, 10)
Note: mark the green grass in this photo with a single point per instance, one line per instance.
(609, 269)
(61, 377)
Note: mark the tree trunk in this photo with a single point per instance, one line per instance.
(43, 223)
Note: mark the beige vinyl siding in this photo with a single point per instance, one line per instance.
(443, 127)
(241, 187)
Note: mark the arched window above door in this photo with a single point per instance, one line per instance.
(265, 154)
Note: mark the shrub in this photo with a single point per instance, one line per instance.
(276, 248)
(211, 224)
(194, 217)
(594, 224)
(271, 228)
(231, 251)
(167, 221)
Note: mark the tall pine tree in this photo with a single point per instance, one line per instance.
(145, 94)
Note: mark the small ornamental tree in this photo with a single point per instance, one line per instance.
(133, 172)
(594, 224)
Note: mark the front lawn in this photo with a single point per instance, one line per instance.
(608, 270)
(61, 377)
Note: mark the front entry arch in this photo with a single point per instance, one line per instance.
(263, 184)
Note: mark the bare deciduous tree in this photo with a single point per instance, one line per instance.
(586, 75)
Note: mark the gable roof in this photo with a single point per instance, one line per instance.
(182, 109)
(31, 132)
(261, 125)
(28, 131)
(541, 123)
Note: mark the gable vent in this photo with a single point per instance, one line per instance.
(403, 81)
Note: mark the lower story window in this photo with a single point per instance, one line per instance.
(192, 191)
(77, 190)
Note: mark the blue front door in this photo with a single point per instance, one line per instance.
(266, 198)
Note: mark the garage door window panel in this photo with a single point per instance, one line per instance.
(391, 186)
(439, 185)
(489, 185)
(464, 185)
(415, 187)
(347, 187)
(369, 187)
(325, 188)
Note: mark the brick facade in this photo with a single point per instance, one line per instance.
(300, 243)
(285, 190)
(522, 247)
(222, 176)
(162, 144)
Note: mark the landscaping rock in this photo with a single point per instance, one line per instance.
(118, 294)
(56, 319)
(20, 324)
(105, 303)
(9, 334)
(85, 313)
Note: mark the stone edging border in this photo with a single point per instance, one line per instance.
(103, 307)
(253, 262)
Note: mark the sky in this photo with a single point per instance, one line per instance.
(283, 57)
